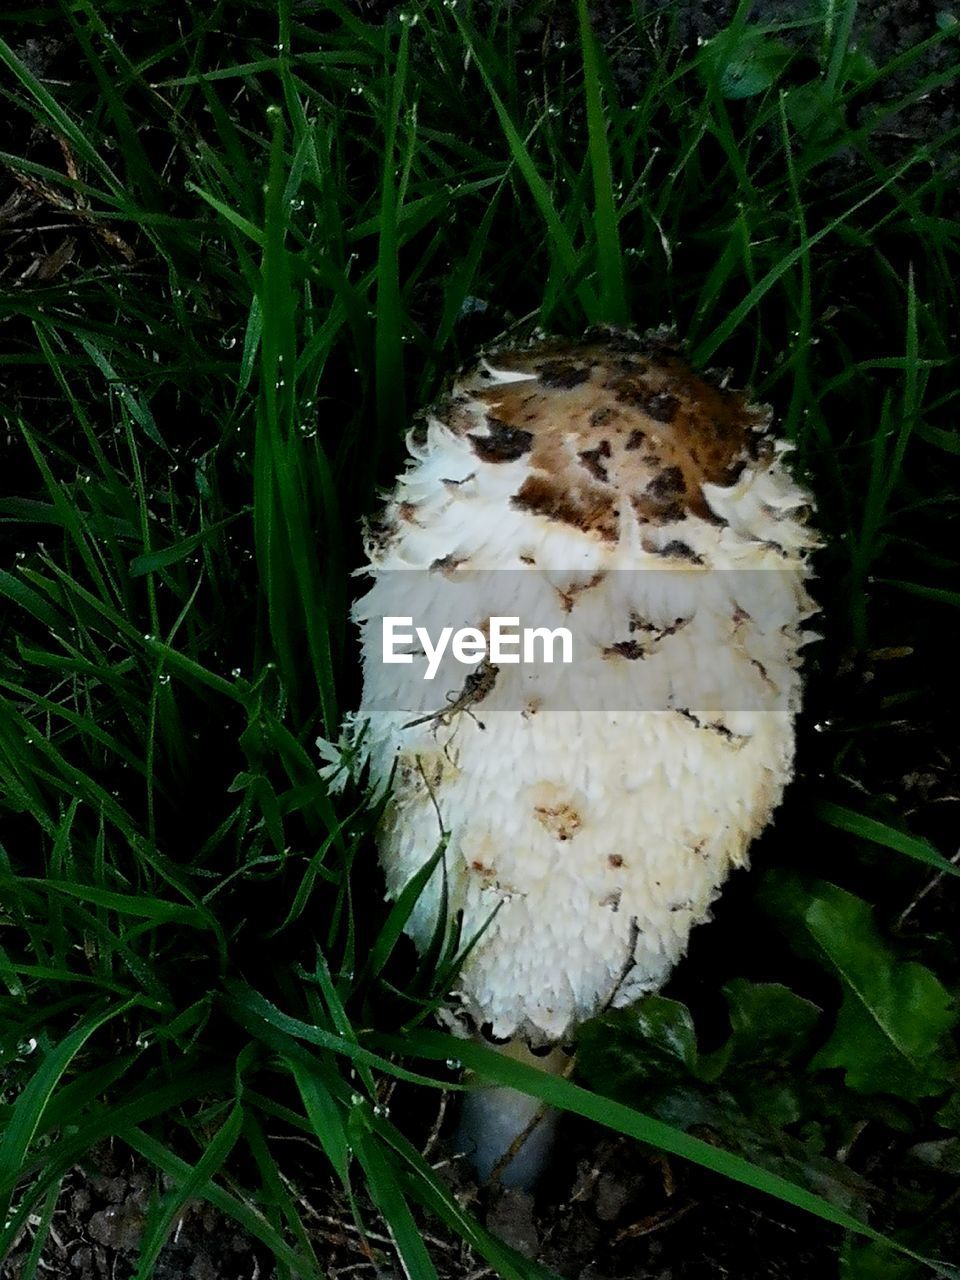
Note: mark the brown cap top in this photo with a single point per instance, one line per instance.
(607, 417)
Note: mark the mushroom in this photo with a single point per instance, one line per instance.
(590, 811)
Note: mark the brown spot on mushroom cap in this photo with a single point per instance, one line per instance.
(504, 443)
(561, 374)
(667, 483)
(614, 416)
(587, 507)
(568, 595)
(561, 820)
(661, 406)
(651, 509)
(447, 564)
(680, 550)
(592, 460)
(631, 649)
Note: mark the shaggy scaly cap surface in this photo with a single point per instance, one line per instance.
(589, 830)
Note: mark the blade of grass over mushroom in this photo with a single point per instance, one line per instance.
(555, 1091)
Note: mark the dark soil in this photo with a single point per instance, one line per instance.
(609, 1210)
(98, 1226)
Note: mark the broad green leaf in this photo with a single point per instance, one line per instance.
(654, 1038)
(890, 1034)
(769, 1022)
(742, 62)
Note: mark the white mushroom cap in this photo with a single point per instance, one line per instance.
(591, 822)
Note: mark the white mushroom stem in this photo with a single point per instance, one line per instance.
(508, 1135)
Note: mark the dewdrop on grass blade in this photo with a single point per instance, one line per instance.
(591, 811)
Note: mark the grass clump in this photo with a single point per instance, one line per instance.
(233, 261)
